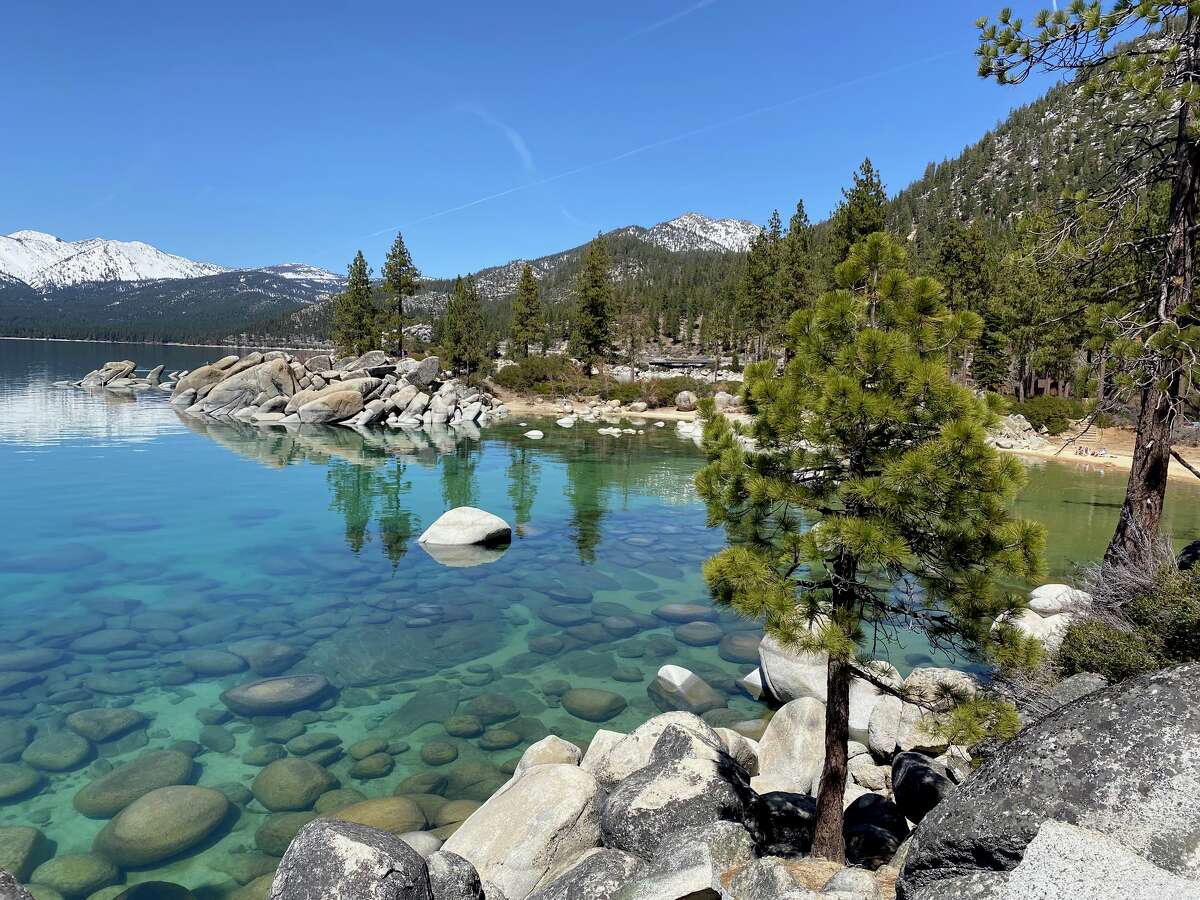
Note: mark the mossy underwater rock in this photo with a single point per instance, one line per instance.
(59, 752)
(77, 874)
(111, 793)
(593, 704)
(18, 780)
(104, 724)
(162, 824)
(291, 784)
(276, 696)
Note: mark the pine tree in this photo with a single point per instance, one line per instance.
(795, 265)
(528, 317)
(464, 340)
(1149, 84)
(758, 297)
(591, 330)
(867, 441)
(354, 311)
(401, 280)
(863, 209)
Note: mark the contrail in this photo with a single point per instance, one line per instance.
(669, 20)
(674, 139)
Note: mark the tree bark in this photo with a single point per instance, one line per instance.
(828, 841)
(1141, 512)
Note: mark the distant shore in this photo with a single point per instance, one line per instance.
(5, 337)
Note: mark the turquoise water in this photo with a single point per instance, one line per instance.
(141, 544)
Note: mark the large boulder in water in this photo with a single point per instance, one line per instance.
(466, 525)
(1123, 761)
(343, 859)
(276, 696)
(111, 793)
(332, 407)
(162, 824)
(273, 378)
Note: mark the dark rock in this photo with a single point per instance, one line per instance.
(329, 858)
(452, 878)
(1189, 556)
(874, 828)
(1123, 761)
(786, 822)
(919, 784)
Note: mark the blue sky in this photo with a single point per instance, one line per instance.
(252, 133)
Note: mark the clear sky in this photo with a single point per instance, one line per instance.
(252, 132)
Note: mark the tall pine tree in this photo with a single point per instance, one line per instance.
(863, 209)
(464, 338)
(401, 280)
(528, 316)
(354, 311)
(591, 332)
(873, 497)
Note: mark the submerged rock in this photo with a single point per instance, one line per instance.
(109, 794)
(276, 696)
(162, 824)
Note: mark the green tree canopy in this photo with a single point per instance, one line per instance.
(591, 333)
(863, 209)
(464, 340)
(872, 500)
(528, 324)
(401, 280)
(354, 311)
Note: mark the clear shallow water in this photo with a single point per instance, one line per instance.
(136, 540)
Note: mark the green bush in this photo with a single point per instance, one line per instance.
(542, 375)
(1161, 628)
(1054, 413)
(656, 391)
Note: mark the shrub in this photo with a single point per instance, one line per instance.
(1145, 616)
(542, 375)
(1054, 413)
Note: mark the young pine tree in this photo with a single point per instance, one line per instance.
(874, 500)
(401, 280)
(863, 209)
(354, 311)
(528, 317)
(591, 332)
(464, 339)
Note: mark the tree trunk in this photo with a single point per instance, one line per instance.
(828, 841)
(1142, 509)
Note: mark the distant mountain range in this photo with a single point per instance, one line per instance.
(102, 289)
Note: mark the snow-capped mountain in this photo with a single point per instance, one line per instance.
(693, 231)
(48, 262)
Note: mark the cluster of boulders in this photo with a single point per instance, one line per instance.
(1051, 609)
(1015, 433)
(667, 811)
(276, 388)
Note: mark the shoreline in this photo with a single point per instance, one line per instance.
(1061, 450)
(47, 340)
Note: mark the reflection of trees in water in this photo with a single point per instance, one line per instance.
(361, 493)
(458, 475)
(523, 473)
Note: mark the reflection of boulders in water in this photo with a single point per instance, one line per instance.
(376, 654)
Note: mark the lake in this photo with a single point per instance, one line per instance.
(140, 545)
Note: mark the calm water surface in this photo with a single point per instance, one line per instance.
(142, 544)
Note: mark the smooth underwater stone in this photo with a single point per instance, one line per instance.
(291, 784)
(740, 647)
(31, 660)
(107, 640)
(492, 707)
(104, 724)
(593, 704)
(377, 765)
(276, 696)
(155, 890)
(274, 835)
(57, 752)
(17, 780)
(682, 613)
(22, 849)
(396, 815)
(267, 657)
(213, 662)
(77, 874)
(698, 634)
(439, 753)
(15, 735)
(109, 794)
(162, 824)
